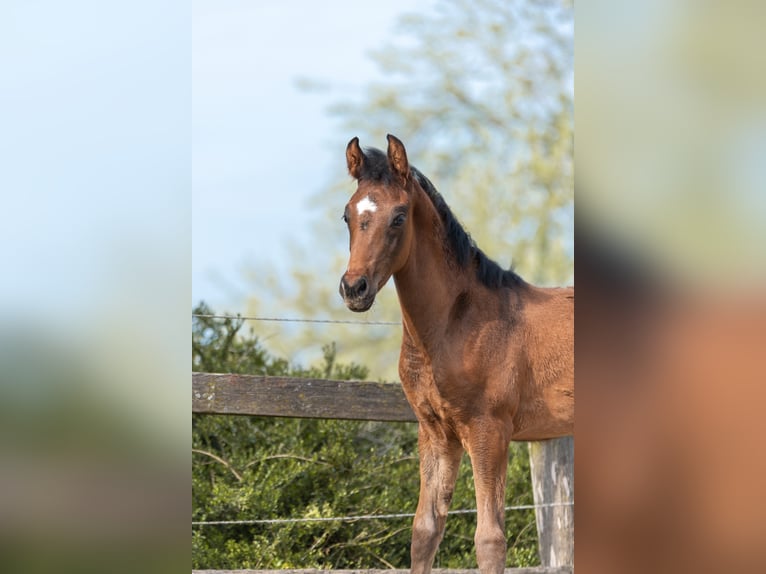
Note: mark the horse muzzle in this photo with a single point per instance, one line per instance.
(358, 292)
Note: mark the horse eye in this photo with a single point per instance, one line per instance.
(398, 220)
(344, 218)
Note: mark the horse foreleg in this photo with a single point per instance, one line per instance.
(439, 463)
(488, 449)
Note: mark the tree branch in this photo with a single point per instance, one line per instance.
(219, 459)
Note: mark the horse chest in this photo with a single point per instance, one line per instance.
(438, 393)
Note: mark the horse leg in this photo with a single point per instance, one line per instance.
(488, 449)
(439, 463)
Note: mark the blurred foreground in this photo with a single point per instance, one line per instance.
(95, 171)
(671, 271)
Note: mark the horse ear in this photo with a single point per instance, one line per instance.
(397, 157)
(355, 158)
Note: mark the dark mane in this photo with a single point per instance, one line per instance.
(462, 247)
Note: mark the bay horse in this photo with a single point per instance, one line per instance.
(486, 357)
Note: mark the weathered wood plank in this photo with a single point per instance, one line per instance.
(303, 398)
(535, 570)
(552, 466)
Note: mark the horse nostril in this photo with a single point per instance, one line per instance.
(358, 288)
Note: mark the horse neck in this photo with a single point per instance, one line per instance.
(428, 284)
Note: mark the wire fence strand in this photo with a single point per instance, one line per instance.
(295, 320)
(360, 517)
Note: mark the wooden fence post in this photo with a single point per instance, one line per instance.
(552, 466)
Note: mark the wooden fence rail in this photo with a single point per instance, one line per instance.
(303, 398)
(552, 461)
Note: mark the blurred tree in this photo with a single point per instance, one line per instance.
(248, 468)
(481, 93)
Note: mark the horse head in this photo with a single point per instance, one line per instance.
(379, 221)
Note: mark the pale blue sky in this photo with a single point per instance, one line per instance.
(127, 129)
(262, 147)
(120, 119)
(95, 150)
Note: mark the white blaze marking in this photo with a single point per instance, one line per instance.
(366, 204)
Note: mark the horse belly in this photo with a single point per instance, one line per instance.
(550, 415)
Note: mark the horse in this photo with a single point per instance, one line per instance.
(486, 357)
